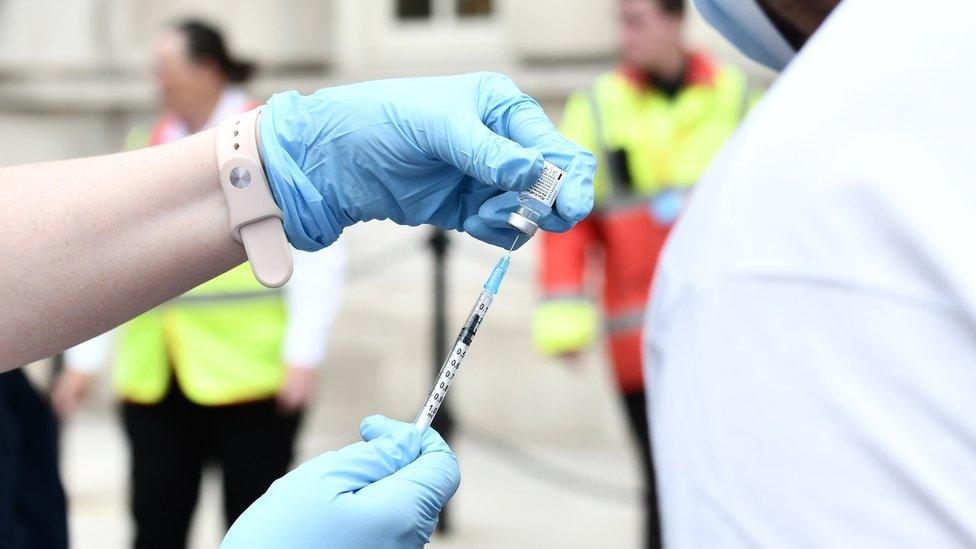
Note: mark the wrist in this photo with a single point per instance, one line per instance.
(255, 218)
(309, 220)
(197, 189)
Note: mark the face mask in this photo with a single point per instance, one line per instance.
(744, 24)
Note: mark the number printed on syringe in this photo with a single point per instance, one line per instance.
(450, 367)
(448, 372)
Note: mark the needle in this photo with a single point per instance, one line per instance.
(514, 242)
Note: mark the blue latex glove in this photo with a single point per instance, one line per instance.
(666, 205)
(384, 492)
(447, 151)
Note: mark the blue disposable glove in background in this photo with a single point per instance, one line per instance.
(384, 492)
(666, 205)
(448, 151)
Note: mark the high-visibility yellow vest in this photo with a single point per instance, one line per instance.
(222, 340)
(669, 141)
(664, 143)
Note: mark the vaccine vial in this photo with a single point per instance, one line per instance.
(537, 200)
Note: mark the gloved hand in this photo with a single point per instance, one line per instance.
(448, 151)
(564, 327)
(384, 492)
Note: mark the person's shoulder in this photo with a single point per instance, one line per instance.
(705, 70)
(615, 76)
(730, 74)
(603, 80)
(730, 79)
(147, 134)
(163, 130)
(139, 136)
(609, 85)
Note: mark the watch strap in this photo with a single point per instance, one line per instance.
(255, 218)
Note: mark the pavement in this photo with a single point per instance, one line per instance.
(524, 496)
(545, 458)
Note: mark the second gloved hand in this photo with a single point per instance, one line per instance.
(383, 493)
(448, 151)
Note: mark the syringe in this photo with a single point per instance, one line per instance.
(534, 202)
(452, 364)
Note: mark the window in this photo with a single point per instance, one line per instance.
(472, 8)
(413, 10)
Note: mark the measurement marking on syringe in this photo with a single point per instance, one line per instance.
(451, 366)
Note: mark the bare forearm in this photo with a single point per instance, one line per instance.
(87, 244)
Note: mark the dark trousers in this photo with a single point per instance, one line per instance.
(635, 405)
(32, 505)
(171, 441)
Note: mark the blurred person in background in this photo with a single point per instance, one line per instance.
(224, 371)
(32, 503)
(656, 123)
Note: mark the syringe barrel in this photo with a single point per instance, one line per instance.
(452, 363)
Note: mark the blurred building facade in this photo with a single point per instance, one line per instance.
(73, 75)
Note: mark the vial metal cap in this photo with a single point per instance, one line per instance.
(522, 223)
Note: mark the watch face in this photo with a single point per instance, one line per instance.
(240, 177)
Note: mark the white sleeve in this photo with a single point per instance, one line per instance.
(90, 356)
(312, 297)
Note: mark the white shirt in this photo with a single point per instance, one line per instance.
(811, 343)
(312, 296)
